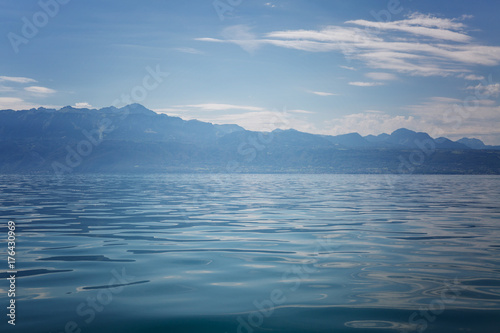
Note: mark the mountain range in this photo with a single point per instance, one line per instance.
(136, 139)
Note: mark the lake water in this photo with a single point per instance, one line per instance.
(253, 253)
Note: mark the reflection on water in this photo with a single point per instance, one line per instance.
(252, 253)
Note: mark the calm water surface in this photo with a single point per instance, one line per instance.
(253, 253)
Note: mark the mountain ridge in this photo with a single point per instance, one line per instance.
(134, 138)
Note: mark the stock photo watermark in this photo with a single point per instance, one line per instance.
(31, 26)
(425, 315)
(456, 115)
(248, 151)
(87, 311)
(222, 7)
(76, 153)
(295, 275)
(11, 264)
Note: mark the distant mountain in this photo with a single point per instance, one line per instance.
(405, 138)
(351, 140)
(136, 139)
(376, 139)
(472, 143)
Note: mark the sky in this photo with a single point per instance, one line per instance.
(318, 66)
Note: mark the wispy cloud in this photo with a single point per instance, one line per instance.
(423, 45)
(381, 76)
(242, 36)
(366, 84)
(348, 67)
(39, 90)
(83, 105)
(220, 107)
(5, 89)
(487, 91)
(422, 25)
(455, 119)
(302, 111)
(321, 93)
(472, 77)
(17, 79)
(16, 103)
(189, 50)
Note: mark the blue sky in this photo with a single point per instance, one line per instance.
(324, 66)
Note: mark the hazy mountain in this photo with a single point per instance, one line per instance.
(134, 138)
(351, 140)
(379, 138)
(473, 143)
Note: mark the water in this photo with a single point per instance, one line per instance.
(254, 253)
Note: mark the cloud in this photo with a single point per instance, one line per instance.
(17, 79)
(381, 76)
(15, 103)
(366, 84)
(39, 90)
(437, 116)
(189, 50)
(83, 105)
(473, 77)
(320, 93)
(171, 111)
(486, 91)
(347, 67)
(242, 36)
(269, 4)
(455, 118)
(422, 45)
(5, 89)
(221, 107)
(421, 25)
(301, 111)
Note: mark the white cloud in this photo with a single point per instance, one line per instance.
(269, 4)
(189, 50)
(39, 90)
(321, 93)
(473, 77)
(220, 107)
(17, 79)
(448, 100)
(421, 25)
(170, 111)
(347, 67)
(83, 105)
(486, 91)
(302, 111)
(422, 45)
(455, 118)
(16, 103)
(381, 76)
(242, 36)
(366, 84)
